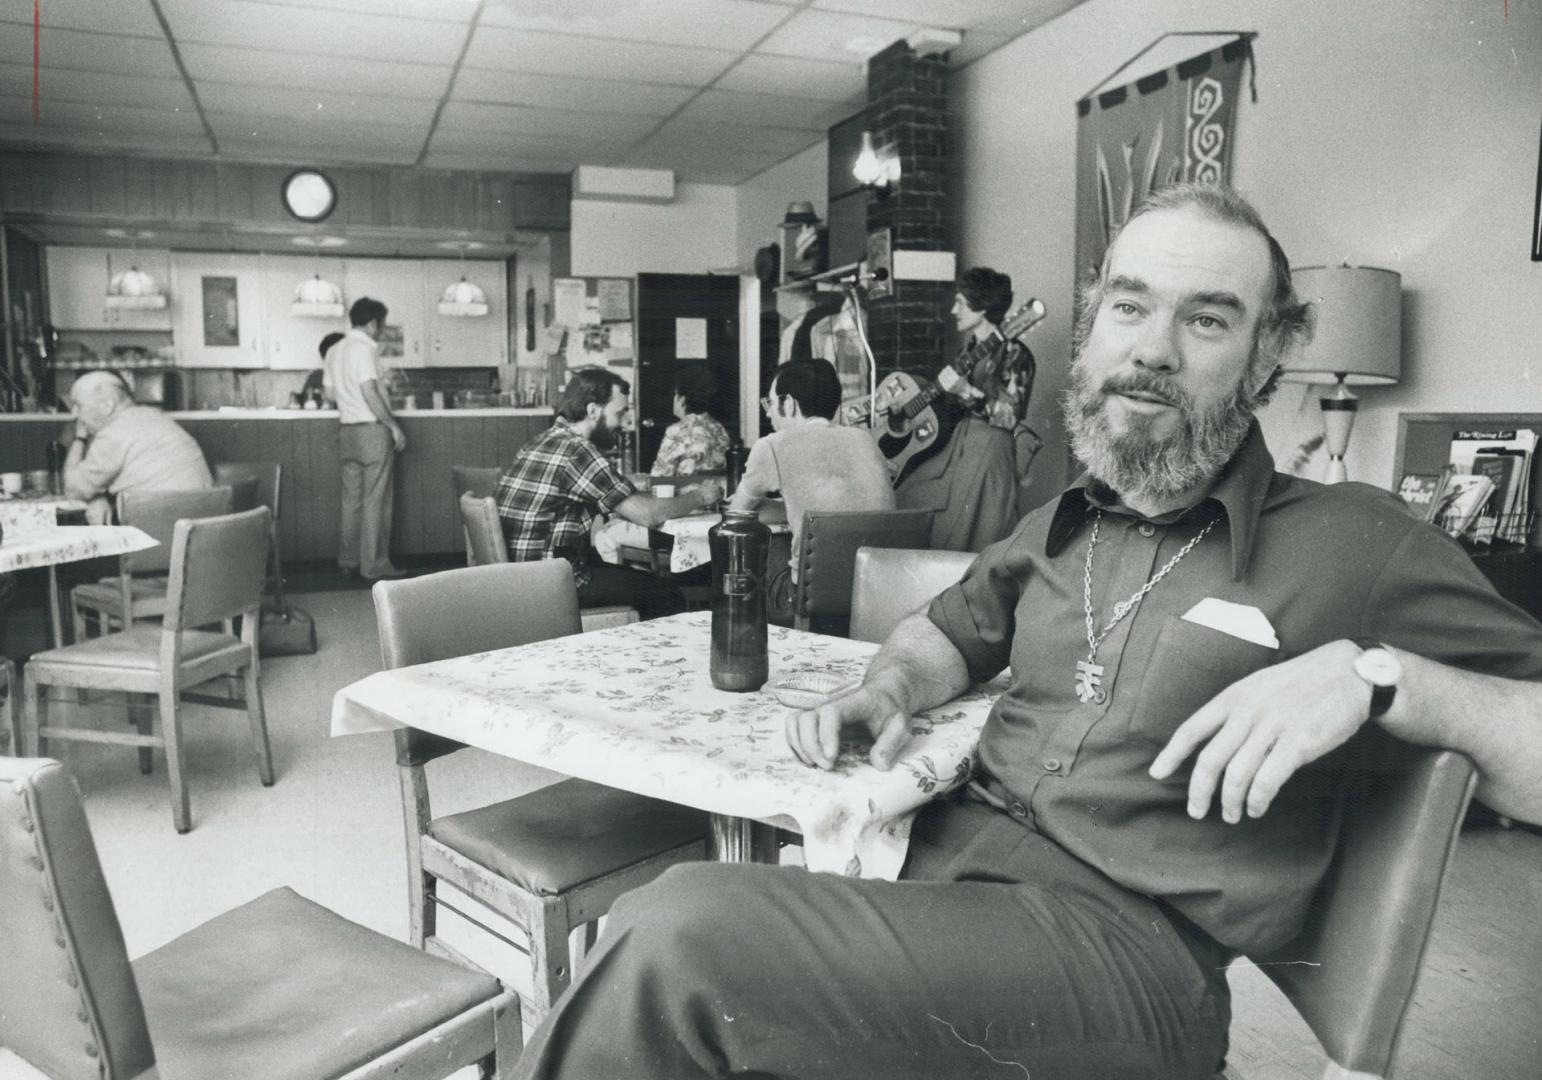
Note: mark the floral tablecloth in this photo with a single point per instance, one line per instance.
(28, 513)
(24, 549)
(633, 707)
(690, 533)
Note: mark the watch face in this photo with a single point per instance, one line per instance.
(309, 195)
(1378, 667)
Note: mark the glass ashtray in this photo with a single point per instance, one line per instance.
(808, 689)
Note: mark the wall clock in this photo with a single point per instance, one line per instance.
(309, 195)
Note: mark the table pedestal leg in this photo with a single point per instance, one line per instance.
(55, 619)
(736, 839)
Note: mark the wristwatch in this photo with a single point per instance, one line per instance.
(1379, 666)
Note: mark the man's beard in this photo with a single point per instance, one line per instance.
(1141, 466)
(603, 435)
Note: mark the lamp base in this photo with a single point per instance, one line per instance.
(1336, 473)
(1338, 420)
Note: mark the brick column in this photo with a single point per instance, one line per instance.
(907, 108)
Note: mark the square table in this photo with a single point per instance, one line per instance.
(31, 511)
(633, 707)
(22, 550)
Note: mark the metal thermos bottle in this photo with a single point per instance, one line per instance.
(735, 466)
(740, 545)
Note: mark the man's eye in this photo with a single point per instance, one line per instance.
(1125, 307)
(1209, 322)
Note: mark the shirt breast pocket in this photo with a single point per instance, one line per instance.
(1190, 665)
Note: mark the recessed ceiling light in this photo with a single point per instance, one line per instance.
(129, 234)
(462, 245)
(309, 194)
(318, 241)
(865, 45)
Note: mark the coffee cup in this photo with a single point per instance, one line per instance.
(37, 480)
(11, 482)
(664, 491)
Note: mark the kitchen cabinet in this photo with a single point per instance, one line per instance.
(398, 284)
(219, 318)
(466, 340)
(292, 340)
(77, 288)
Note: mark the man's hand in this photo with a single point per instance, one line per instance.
(399, 438)
(1261, 729)
(98, 511)
(815, 734)
(710, 492)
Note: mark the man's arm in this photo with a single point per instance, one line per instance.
(917, 668)
(76, 484)
(1257, 732)
(652, 512)
(375, 398)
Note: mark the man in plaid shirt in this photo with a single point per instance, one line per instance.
(548, 498)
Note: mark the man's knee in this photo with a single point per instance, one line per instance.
(689, 900)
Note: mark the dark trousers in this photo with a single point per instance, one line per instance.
(651, 596)
(1001, 956)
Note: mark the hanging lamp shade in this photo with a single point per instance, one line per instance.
(463, 298)
(133, 288)
(318, 298)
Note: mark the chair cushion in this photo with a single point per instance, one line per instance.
(573, 831)
(137, 649)
(284, 989)
(149, 597)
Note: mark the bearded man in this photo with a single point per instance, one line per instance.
(1182, 622)
(557, 484)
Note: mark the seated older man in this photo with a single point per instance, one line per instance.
(119, 446)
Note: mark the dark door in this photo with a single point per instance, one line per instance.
(662, 299)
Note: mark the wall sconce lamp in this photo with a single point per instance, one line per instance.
(880, 174)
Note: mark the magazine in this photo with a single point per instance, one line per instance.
(1507, 514)
(1467, 493)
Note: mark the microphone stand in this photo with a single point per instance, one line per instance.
(850, 288)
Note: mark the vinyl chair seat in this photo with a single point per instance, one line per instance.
(106, 596)
(571, 832)
(136, 649)
(272, 989)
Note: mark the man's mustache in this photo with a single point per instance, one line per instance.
(1149, 384)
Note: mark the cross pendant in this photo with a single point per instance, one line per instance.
(1089, 679)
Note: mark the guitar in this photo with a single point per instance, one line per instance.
(1013, 327)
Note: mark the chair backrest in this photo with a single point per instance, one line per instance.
(827, 555)
(459, 612)
(68, 1002)
(888, 584)
(477, 479)
(1352, 971)
(217, 568)
(156, 513)
(484, 532)
(268, 475)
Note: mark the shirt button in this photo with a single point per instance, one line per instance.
(1147, 529)
(1052, 764)
(1018, 810)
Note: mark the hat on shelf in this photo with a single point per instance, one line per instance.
(800, 213)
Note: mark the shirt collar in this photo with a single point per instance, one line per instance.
(357, 332)
(1240, 493)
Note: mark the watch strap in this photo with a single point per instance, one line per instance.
(1381, 696)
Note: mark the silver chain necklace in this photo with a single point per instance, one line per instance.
(1089, 673)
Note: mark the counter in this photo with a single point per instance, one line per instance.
(304, 442)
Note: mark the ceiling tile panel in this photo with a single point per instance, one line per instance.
(463, 141)
(310, 105)
(510, 162)
(721, 24)
(66, 115)
(725, 167)
(95, 87)
(835, 36)
(729, 107)
(304, 29)
(459, 11)
(310, 131)
(990, 17)
(519, 118)
(688, 138)
(91, 52)
(98, 140)
(562, 92)
(794, 76)
(561, 54)
(298, 150)
(123, 17)
(307, 71)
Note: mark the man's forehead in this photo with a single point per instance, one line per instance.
(1188, 251)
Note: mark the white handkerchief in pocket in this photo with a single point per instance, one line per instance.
(1239, 620)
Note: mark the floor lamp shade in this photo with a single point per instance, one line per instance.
(1357, 340)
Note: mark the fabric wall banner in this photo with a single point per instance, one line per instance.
(1165, 127)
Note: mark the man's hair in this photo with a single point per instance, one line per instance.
(984, 289)
(813, 384)
(1282, 325)
(330, 340)
(366, 310)
(586, 386)
(103, 383)
(696, 389)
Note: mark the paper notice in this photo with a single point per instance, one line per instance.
(568, 301)
(621, 338)
(690, 339)
(615, 296)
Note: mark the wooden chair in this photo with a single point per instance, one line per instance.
(478, 480)
(8, 729)
(888, 584)
(277, 987)
(1352, 971)
(140, 587)
(485, 547)
(267, 478)
(216, 575)
(827, 553)
(549, 861)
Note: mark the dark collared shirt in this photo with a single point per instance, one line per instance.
(1319, 562)
(550, 495)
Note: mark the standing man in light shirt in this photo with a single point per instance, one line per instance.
(368, 439)
(119, 446)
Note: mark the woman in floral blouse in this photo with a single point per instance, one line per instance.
(694, 443)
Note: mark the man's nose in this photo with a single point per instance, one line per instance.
(1156, 346)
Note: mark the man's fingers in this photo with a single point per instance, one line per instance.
(794, 731)
(1241, 771)
(1278, 767)
(1211, 762)
(1193, 731)
(892, 737)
